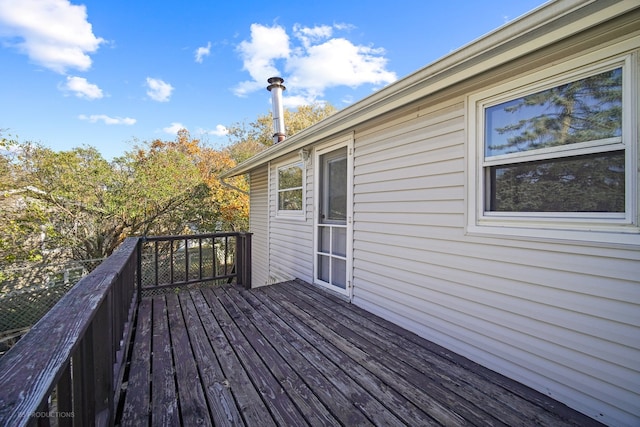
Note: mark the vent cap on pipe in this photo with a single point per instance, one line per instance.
(276, 88)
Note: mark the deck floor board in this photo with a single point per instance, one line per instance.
(293, 354)
(215, 385)
(267, 346)
(136, 404)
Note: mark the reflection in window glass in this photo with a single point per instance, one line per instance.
(290, 187)
(594, 183)
(589, 109)
(337, 200)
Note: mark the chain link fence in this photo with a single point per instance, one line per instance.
(28, 292)
(167, 263)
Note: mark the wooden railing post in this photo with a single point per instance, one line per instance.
(141, 241)
(247, 260)
(243, 259)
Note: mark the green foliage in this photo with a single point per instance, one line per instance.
(76, 205)
(249, 139)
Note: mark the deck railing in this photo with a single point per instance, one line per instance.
(69, 369)
(173, 261)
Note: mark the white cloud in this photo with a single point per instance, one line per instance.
(259, 55)
(201, 52)
(94, 118)
(158, 90)
(220, 130)
(52, 33)
(295, 101)
(82, 88)
(313, 60)
(308, 35)
(338, 62)
(174, 128)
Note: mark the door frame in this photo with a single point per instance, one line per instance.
(317, 203)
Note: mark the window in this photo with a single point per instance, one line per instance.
(290, 189)
(557, 150)
(560, 153)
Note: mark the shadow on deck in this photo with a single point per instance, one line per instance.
(292, 354)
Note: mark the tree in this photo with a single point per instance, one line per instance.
(249, 139)
(77, 205)
(224, 208)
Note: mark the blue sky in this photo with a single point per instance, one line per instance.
(110, 73)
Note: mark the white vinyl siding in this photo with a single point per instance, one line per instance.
(258, 225)
(290, 239)
(555, 311)
(562, 318)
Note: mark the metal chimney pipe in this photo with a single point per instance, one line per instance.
(276, 88)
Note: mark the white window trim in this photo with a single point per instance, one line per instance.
(300, 214)
(590, 227)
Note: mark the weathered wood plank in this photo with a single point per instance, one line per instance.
(316, 370)
(164, 404)
(248, 400)
(136, 404)
(496, 394)
(192, 403)
(267, 342)
(273, 395)
(292, 354)
(349, 376)
(464, 384)
(224, 411)
(394, 357)
(440, 411)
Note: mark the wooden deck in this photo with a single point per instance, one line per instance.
(293, 355)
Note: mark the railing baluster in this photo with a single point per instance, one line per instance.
(226, 254)
(216, 267)
(42, 416)
(155, 258)
(200, 258)
(237, 260)
(65, 398)
(102, 361)
(171, 281)
(186, 260)
(246, 260)
(139, 267)
(78, 391)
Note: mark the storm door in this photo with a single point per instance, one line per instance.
(333, 223)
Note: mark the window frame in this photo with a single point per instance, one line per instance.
(570, 225)
(290, 213)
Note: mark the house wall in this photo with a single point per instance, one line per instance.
(562, 317)
(559, 315)
(290, 239)
(259, 226)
